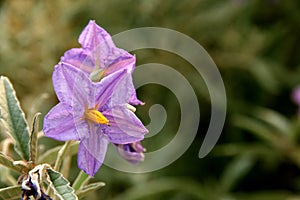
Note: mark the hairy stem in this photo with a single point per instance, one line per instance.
(61, 154)
(80, 181)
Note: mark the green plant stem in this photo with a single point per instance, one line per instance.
(80, 180)
(61, 154)
(65, 168)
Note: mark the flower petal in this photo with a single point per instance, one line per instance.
(103, 51)
(86, 61)
(91, 153)
(92, 35)
(124, 127)
(123, 91)
(108, 86)
(59, 124)
(72, 86)
(134, 100)
(120, 62)
(79, 58)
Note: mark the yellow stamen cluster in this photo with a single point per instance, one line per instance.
(95, 116)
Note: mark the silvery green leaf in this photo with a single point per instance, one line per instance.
(34, 137)
(13, 118)
(8, 162)
(60, 186)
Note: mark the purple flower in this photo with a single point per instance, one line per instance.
(133, 152)
(93, 113)
(296, 97)
(99, 56)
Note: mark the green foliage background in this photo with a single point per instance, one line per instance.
(255, 44)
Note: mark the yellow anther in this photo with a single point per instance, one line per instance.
(95, 116)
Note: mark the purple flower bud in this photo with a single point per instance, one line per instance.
(133, 152)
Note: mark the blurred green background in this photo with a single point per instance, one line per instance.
(254, 43)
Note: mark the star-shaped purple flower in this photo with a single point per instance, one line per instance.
(99, 56)
(93, 113)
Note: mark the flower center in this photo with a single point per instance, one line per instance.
(95, 116)
(97, 75)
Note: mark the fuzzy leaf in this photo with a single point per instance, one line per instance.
(60, 186)
(10, 193)
(8, 162)
(89, 188)
(34, 137)
(13, 118)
